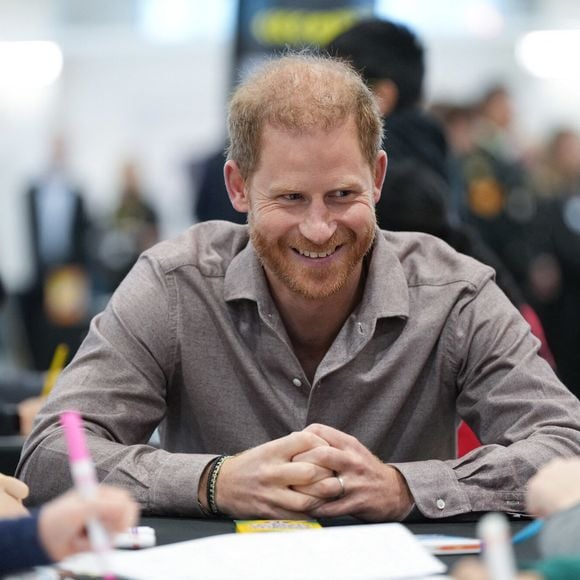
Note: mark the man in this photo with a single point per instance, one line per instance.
(329, 358)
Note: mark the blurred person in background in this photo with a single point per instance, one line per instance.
(391, 59)
(459, 125)
(550, 260)
(500, 199)
(132, 228)
(558, 171)
(55, 307)
(554, 495)
(554, 271)
(212, 201)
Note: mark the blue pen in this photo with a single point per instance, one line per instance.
(528, 532)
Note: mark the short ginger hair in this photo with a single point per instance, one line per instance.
(300, 92)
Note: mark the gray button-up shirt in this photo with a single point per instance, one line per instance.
(192, 341)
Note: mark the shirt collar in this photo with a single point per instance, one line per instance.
(385, 295)
(386, 291)
(245, 278)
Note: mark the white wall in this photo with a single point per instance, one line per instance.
(119, 96)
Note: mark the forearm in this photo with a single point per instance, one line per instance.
(163, 483)
(491, 478)
(21, 547)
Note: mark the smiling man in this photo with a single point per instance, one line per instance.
(308, 363)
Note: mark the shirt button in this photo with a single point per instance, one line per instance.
(297, 382)
(441, 504)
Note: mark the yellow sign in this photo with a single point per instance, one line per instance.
(279, 27)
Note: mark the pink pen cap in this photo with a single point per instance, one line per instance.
(84, 477)
(74, 435)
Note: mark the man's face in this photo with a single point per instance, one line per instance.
(311, 209)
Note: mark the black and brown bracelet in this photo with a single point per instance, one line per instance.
(212, 484)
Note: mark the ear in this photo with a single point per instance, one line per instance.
(236, 186)
(380, 170)
(387, 94)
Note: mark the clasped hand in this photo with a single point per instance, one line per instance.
(317, 472)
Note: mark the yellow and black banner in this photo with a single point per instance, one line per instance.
(269, 26)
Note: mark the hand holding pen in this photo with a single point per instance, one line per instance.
(85, 480)
(62, 522)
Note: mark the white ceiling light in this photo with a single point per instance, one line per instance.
(29, 64)
(550, 53)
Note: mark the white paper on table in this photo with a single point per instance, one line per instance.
(372, 551)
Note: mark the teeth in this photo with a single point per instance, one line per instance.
(316, 254)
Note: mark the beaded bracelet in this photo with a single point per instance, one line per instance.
(211, 484)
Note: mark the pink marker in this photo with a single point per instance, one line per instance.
(85, 480)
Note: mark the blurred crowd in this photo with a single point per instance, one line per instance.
(77, 262)
(525, 205)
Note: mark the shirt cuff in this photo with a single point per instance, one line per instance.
(434, 488)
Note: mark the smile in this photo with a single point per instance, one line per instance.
(308, 254)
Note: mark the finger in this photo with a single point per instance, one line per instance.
(332, 436)
(336, 508)
(330, 458)
(283, 504)
(327, 489)
(14, 487)
(302, 473)
(298, 503)
(117, 518)
(295, 443)
(116, 508)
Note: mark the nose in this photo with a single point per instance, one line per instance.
(317, 224)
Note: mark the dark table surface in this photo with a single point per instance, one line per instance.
(171, 530)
